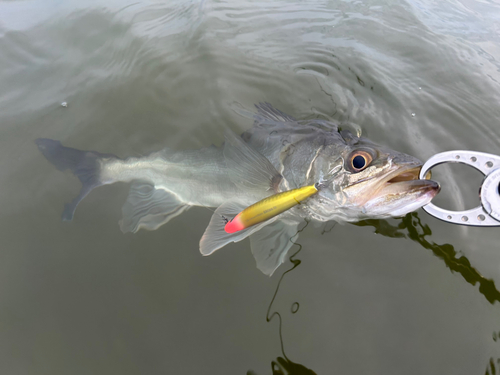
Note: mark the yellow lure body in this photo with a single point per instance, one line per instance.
(269, 207)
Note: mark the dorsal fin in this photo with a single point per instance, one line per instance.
(267, 111)
(247, 168)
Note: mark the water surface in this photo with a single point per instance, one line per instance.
(412, 295)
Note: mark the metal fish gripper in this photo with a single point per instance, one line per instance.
(488, 213)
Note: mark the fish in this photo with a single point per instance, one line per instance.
(359, 179)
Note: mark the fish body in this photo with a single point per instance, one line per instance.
(359, 180)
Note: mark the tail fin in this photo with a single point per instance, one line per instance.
(84, 164)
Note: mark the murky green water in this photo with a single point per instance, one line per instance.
(412, 296)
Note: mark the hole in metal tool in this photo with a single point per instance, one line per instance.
(459, 186)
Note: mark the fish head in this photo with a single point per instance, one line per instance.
(368, 181)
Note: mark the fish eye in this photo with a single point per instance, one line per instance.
(359, 160)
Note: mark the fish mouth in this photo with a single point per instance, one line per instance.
(407, 174)
(405, 180)
(400, 192)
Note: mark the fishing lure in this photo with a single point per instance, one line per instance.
(269, 207)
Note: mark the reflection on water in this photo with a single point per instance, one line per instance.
(491, 368)
(494, 364)
(286, 367)
(283, 365)
(411, 227)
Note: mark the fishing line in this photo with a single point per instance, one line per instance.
(330, 229)
(295, 305)
(225, 219)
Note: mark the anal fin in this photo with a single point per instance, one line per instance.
(149, 208)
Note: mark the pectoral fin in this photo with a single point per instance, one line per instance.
(271, 244)
(247, 168)
(216, 237)
(149, 208)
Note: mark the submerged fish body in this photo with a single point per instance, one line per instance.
(359, 179)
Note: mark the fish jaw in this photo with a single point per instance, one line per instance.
(397, 199)
(401, 191)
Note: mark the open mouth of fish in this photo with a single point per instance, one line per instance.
(406, 180)
(408, 175)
